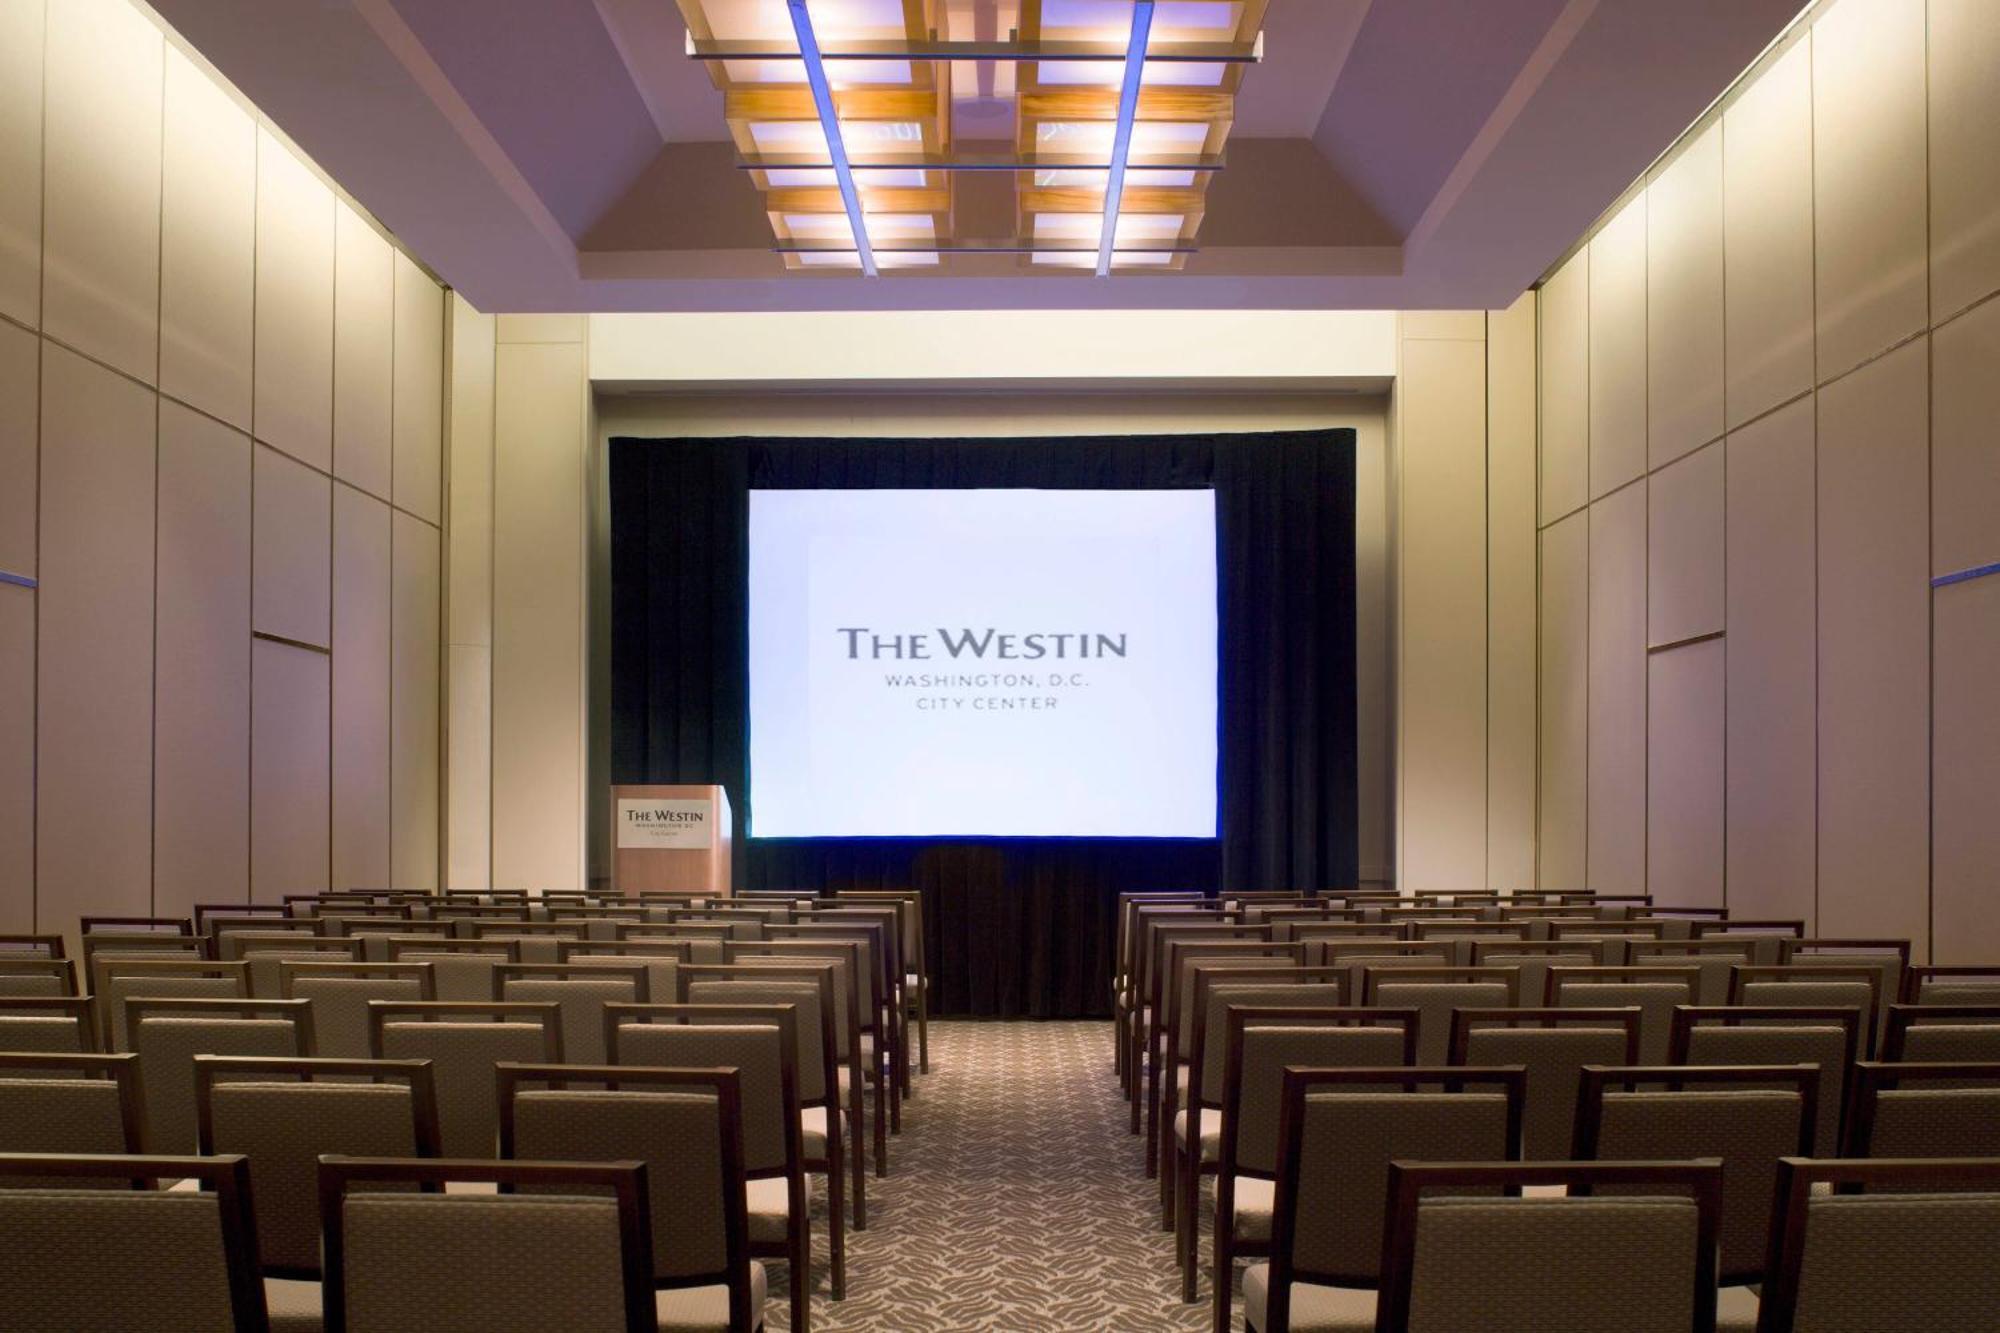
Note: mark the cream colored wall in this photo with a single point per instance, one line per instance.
(220, 484)
(1767, 398)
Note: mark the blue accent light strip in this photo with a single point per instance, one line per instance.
(1121, 143)
(829, 121)
(1966, 575)
(18, 580)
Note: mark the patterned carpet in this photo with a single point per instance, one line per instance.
(1015, 1200)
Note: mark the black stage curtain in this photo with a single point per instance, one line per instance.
(1017, 926)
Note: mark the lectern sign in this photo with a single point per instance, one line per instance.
(665, 823)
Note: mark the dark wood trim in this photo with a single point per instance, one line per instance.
(1630, 974)
(1747, 974)
(1914, 975)
(1873, 1077)
(382, 1012)
(635, 973)
(26, 945)
(298, 1012)
(121, 1069)
(62, 969)
(1374, 978)
(293, 970)
(82, 1009)
(1903, 1017)
(1626, 1017)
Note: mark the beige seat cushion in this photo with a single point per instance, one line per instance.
(1256, 1200)
(768, 1202)
(1736, 1310)
(294, 1305)
(1315, 1309)
(706, 1309)
(812, 1130)
(1211, 1132)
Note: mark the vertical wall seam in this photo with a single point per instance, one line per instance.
(159, 359)
(41, 414)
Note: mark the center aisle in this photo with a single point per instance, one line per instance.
(1016, 1202)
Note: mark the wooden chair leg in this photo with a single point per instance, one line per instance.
(860, 1173)
(1223, 1278)
(923, 1025)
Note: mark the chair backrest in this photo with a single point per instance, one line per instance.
(50, 1023)
(1219, 987)
(283, 1114)
(1534, 958)
(340, 992)
(1828, 1039)
(134, 925)
(167, 1035)
(582, 990)
(1924, 1110)
(1262, 1040)
(1640, 1261)
(759, 1041)
(1339, 1129)
(1434, 992)
(1820, 985)
(1714, 959)
(852, 948)
(836, 962)
(1653, 989)
(464, 1040)
(817, 1056)
(115, 979)
(14, 945)
(660, 957)
(206, 914)
(36, 976)
(268, 951)
(1553, 1045)
(571, 1260)
(1879, 1244)
(1749, 1116)
(462, 968)
(1962, 983)
(536, 940)
(1184, 958)
(1888, 956)
(666, 1117)
(83, 1256)
(1954, 1032)
(62, 1103)
(1766, 936)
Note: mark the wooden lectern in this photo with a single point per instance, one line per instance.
(674, 839)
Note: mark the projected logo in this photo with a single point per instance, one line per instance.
(970, 691)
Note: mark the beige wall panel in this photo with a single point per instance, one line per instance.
(1965, 448)
(1874, 659)
(361, 582)
(1510, 609)
(1684, 775)
(1443, 324)
(294, 388)
(1375, 801)
(1868, 178)
(1618, 350)
(1767, 227)
(1441, 681)
(469, 817)
(101, 183)
(294, 560)
(94, 735)
(208, 244)
(1684, 549)
(417, 674)
(543, 328)
(20, 391)
(538, 506)
(471, 501)
(1773, 763)
(289, 763)
(1565, 388)
(1965, 153)
(17, 758)
(364, 323)
(1617, 861)
(201, 688)
(1565, 704)
(1684, 301)
(419, 417)
(22, 31)
(1965, 769)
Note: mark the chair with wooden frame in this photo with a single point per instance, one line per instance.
(69, 1103)
(1942, 1032)
(1656, 991)
(118, 978)
(36, 976)
(597, 922)
(463, 916)
(744, 924)
(1434, 992)
(879, 960)
(1552, 1045)
(890, 960)
(1766, 933)
(1340, 1132)
(1465, 936)
(340, 992)
(916, 982)
(375, 932)
(1534, 958)
(134, 925)
(167, 1035)
(660, 957)
(761, 1043)
(461, 970)
(26, 946)
(268, 951)
(1713, 958)
(1158, 936)
(82, 1255)
(1127, 908)
(1260, 1041)
(463, 1040)
(59, 1024)
(239, 913)
(1827, 1038)
(282, 1115)
(1924, 1109)
(1624, 1247)
(1130, 1007)
(580, 990)
(705, 942)
(1960, 983)
(1749, 1116)
(1823, 986)
(1884, 1244)
(1890, 957)
(1617, 937)
(536, 940)
(1359, 953)
(829, 1077)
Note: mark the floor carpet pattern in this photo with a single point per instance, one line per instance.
(1015, 1200)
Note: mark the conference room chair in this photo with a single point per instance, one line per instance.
(1359, 954)
(168, 1033)
(1962, 983)
(266, 955)
(463, 1040)
(890, 958)
(1168, 1033)
(1132, 1007)
(1713, 960)
(1821, 985)
(238, 913)
(1884, 1245)
(1954, 1032)
(580, 991)
(596, 921)
(135, 925)
(879, 964)
(707, 941)
(37, 976)
(462, 969)
(373, 930)
(744, 924)
(84, 1253)
(1463, 935)
(1748, 1116)
(1341, 928)
(1912, 1109)
(55, 1023)
(1552, 1045)
(1891, 957)
(537, 941)
(830, 1123)
(339, 993)
(661, 957)
(1829, 1039)
(1617, 938)
(1339, 1132)
(638, 1118)
(916, 984)
(1767, 934)
(1656, 990)
(1533, 959)
(117, 978)
(1231, 1130)
(69, 1103)
(1160, 936)
(1434, 992)
(29, 946)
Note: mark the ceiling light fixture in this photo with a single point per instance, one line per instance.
(1121, 138)
(829, 120)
